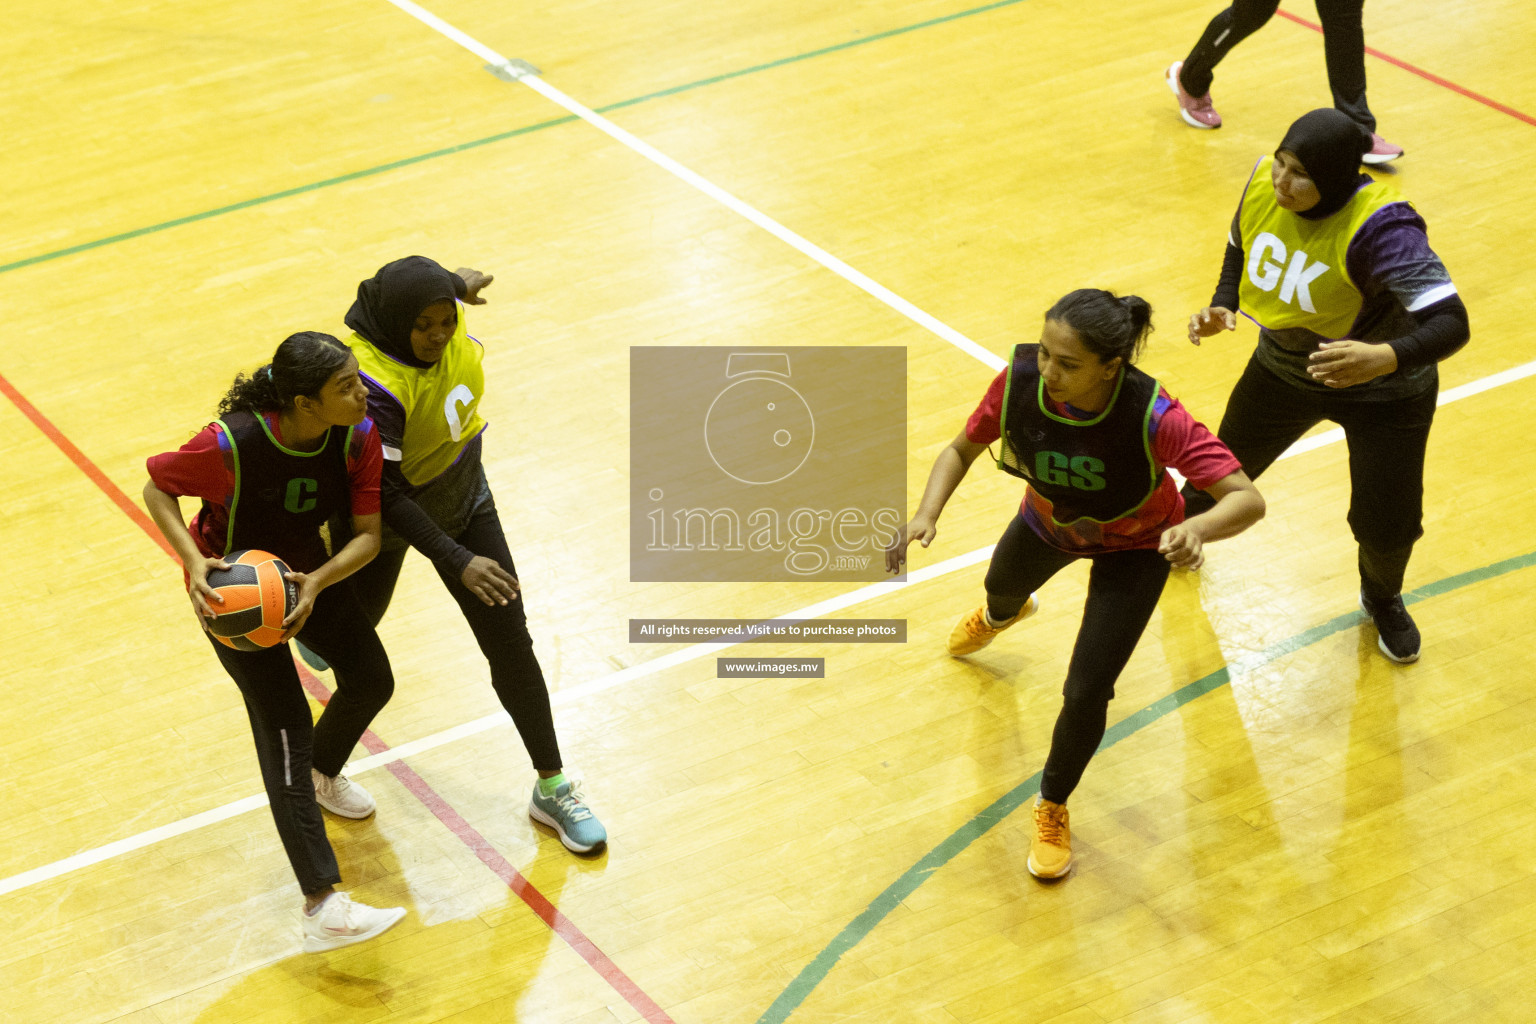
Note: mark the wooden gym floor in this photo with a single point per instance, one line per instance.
(1283, 827)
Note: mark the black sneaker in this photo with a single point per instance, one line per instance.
(1396, 634)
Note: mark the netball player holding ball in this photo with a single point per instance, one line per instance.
(292, 446)
(1093, 436)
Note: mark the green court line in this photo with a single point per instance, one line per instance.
(809, 54)
(501, 137)
(815, 972)
(284, 194)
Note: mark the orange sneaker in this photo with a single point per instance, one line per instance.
(1050, 855)
(975, 631)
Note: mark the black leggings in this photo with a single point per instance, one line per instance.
(1386, 439)
(501, 631)
(288, 742)
(1123, 588)
(1343, 47)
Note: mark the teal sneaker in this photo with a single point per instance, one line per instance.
(311, 659)
(568, 814)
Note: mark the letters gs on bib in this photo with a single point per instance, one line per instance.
(1082, 472)
(1268, 261)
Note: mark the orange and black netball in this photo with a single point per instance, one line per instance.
(257, 598)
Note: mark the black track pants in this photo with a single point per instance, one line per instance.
(1343, 46)
(1123, 589)
(1387, 441)
(288, 742)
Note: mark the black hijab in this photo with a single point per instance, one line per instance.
(389, 302)
(1329, 145)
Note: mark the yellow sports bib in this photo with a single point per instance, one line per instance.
(441, 402)
(1294, 271)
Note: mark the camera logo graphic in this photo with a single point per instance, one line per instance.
(759, 430)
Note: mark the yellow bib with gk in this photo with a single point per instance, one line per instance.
(441, 402)
(1294, 272)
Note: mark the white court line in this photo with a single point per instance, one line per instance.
(679, 657)
(697, 651)
(815, 252)
(1475, 387)
(608, 682)
(132, 843)
(715, 192)
(479, 725)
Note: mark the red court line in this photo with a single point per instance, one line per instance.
(86, 466)
(537, 901)
(503, 869)
(1428, 76)
(440, 808)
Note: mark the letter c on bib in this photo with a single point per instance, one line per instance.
(460, 395)
(1262, 247)
(300, 497)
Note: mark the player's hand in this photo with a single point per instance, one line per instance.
(1183, 546)
(488, 581)
(309, 589)
(199, 590)
(922, 528)
(1343, 364)
(1209, 321)
(473, 282)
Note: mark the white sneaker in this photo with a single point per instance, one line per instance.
(342, 796)
(339, 922)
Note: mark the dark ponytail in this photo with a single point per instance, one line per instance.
(1110, 326)
(300, 366)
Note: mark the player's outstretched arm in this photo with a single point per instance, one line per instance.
(1238, 506)
(948, 470)
(474, 280)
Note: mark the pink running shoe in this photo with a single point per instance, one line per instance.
(1196, 111)
(1381, 151)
